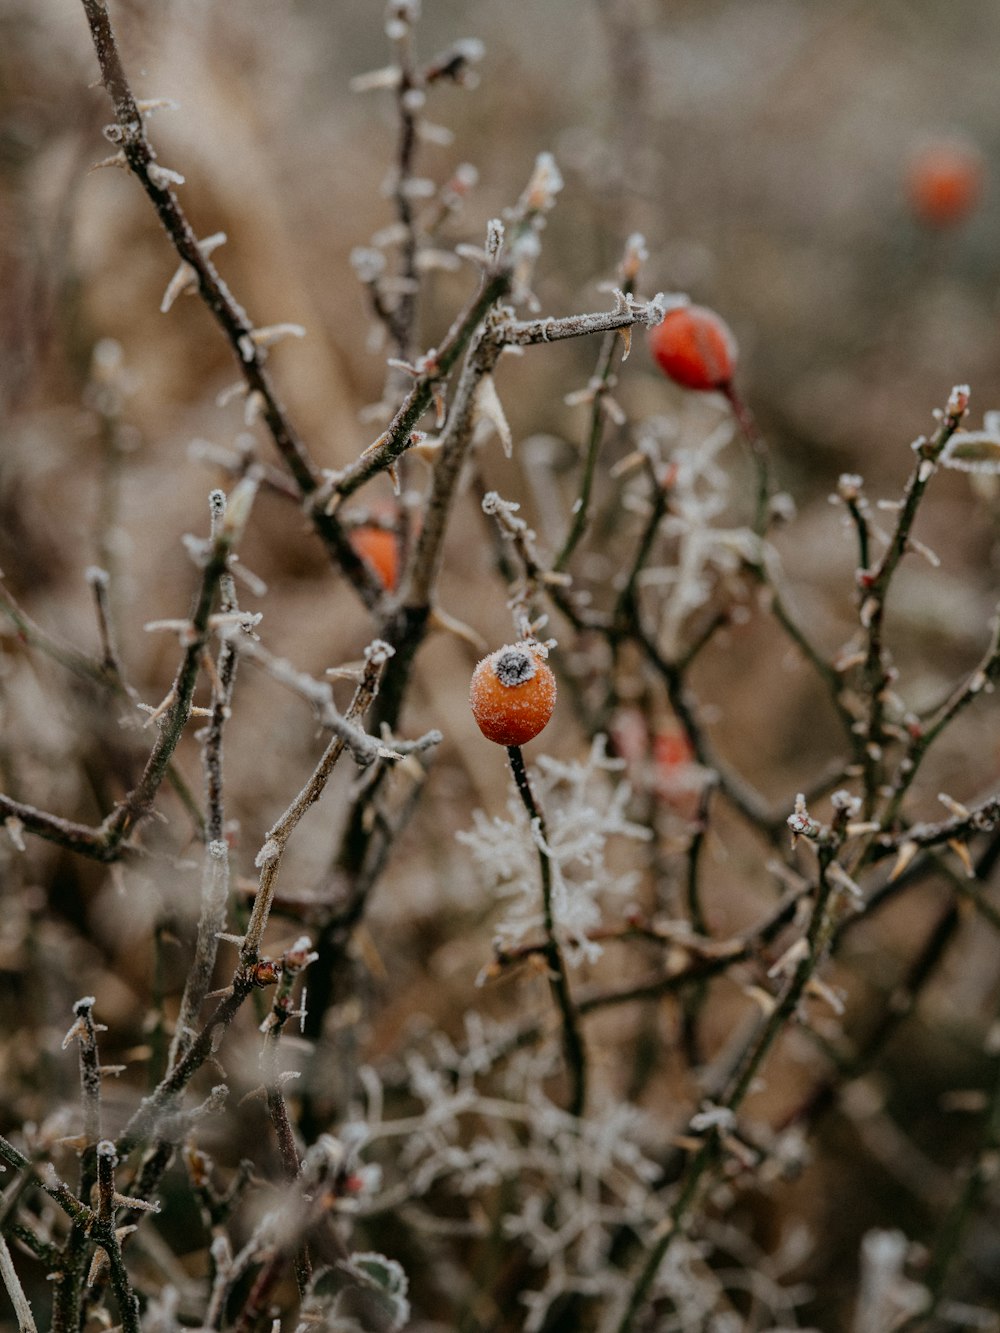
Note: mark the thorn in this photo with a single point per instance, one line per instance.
(115, 160)
(962, 852)
(907, 852)
(451, 625)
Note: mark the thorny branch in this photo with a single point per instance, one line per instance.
(806, 927)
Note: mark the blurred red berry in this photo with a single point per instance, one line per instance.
(944, 182)
(379, 548)
(671, 750)
(695, 348)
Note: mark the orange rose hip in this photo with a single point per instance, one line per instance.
(513, 693)
(379, 548)
(944, 182)
(695, 348)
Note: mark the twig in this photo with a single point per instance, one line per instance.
(817, 941)
(874, 586)
(573, 1046)
(345, 732)
(20, 1302)
(249, 352)
(600, 387)
(293, 963)
(107, 841)
(215, 864)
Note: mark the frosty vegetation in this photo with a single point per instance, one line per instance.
(560, 1057)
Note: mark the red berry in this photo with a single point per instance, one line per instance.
(944, 182)
(671, 750)
(695, 348)
(513, 694)
(378, 548)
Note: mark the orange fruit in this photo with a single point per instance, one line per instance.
(379, 549)
(695, 348)
(513, 693)
(944, 182)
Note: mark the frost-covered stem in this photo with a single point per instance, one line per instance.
(70, 1262)
(229, 315)
(235, 323)
(925, 733)
(215, 862)
(212, 919)
(396, 440)
(818, 937)
(531, 332)
(707, 1157)
(128, 1301)
(404, 315)
(455, 442)
(43, 1250)
(537, 575)
(71, 1267)
(20, 1302)
(34, 636)
(99, 581)
(573, 1047)
(269, 1059)
(105, 842)
(900, 1005)
(269, 857)
(581, 509)
(757, 445)
(53, 1187)
(625, 618)
(277, 1110)
(694, 1003)
(107, 1160)
(983, 817)
(66, 832)
(144, 1119)
(107, 1237)
(874, 584)
(860, 520)
(408, 627)
(90, 1086)
(704, 965)
(140, 156)
(138, 803)
(222, 694)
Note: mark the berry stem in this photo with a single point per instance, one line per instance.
(758, 450)
(573, 1047)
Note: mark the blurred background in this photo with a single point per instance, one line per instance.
(826, 175)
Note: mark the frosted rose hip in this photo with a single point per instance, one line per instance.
(695, 348)
(513, 693)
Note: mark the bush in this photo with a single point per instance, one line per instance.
(679, 1020)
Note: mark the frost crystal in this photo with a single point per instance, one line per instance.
(584, 808)
(703, 553)
(484, 1120)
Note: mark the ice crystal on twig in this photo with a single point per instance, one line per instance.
(585, 808)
